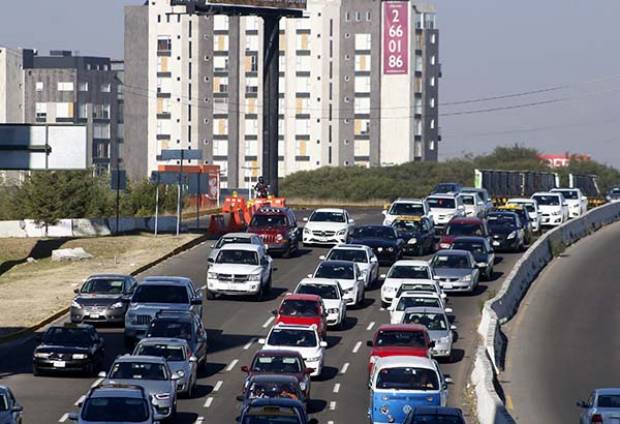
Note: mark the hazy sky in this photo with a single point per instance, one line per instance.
(488, 48)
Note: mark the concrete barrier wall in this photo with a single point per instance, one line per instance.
(489, 360)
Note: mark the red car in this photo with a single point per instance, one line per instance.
(462, 227)
(278, 229)
(303, 309)
(399, 340)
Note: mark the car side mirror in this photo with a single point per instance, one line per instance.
(322, 257)
(274, 312)
(305, 219)
(448, 310)
(369, 343)
(444, 296)
(196, 301)
(245, 369)
(211, 260)
(374, 260)
(76, 291)
(261, 341)
(101, 374)
(448, 380)
(351, 221)
(384, 212)
(453, 327)
(323, 344)
(582, 404)
(213, 246)
(309, 275)
(383, 276)
(175, 377)
(193, 359)
(309, 371)
(17, 408)
(73, 416)
(240, 398)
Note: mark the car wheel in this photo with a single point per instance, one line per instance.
(210, 295)
(35, 371)
(269, 282)
(384, 305)
(190, 390)
(259, 295)
(420, 251)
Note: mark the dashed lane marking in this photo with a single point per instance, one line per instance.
(80, 400)
(370, 326)
(269, 321)
(345, 368)
(208, 402)
(199, 420)
(232, 365)
(64, 418)
(97, 382)
(336, 387)
(218, 386)
(357, 346)
(332, 405)
(249, 344)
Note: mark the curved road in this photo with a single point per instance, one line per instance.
(565, 341)
(234, 325)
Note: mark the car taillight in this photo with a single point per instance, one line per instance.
(597, 418)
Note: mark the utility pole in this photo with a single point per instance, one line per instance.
(271, 92)
(180, 194)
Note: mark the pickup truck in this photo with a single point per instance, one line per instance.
(577, 202)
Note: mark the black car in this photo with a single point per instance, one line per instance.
(383, 240)
(101, 299)
(524, 217)
(69, 348)
(271, 386)
(483, 252)
(418, 233)
(433, 415)
(506, 230)
(182, 325)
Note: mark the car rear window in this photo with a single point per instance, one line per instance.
(609, 401)
(401, 338)
(160, 294)
(277, 364)
(268, 221)
(437, 419)
(299, 308)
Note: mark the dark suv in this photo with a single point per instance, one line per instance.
(278, 229)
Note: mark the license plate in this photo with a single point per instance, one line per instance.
(447, 285)
(58, 364)
(496, 243)
(94, 315)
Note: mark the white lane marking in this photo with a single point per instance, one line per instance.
(203, 287)
(199, 420)
(336, 387)
(370, 326)
(97, 382)
(345, 367)
(382, 309)
(64, 418)
(332, 405)
(330, 422)
(249, 344)
(208, 402)
(269, 321)
(232, 365)
(357, 346)
(218, 386)
(80, 400)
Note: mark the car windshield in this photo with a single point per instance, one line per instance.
(416, 288)
(434, 322)
(450, 261)
(168, 352)
(461, 229)
(471, 246)
(499, 222)
(322, 216)
(411, 272)
(326, 291)
(608, 401)
(351, 255)
(335, 271)
(67, 337)
(547, 200)
(401, 338)
(138, 371)
(405, 378)
(147, 293)
(469, 199)
(171, 329)
(115, 410)
(229, 240)
(103, 286)
(377, 231)
(4, 402)
(407, 226)
(436, 419)
(407, 209)
(268, 221)
(441, 203)
(277, 364)
(271, 415)
(570, 194)
(527, 206)
(242, 257)
(292, 338)
(273, 390)
(615, 190)
(299, 308)
(414, 302)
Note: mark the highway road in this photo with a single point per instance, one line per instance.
(564, 341)
(234, 325)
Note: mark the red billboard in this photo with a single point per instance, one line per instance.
(395, 37)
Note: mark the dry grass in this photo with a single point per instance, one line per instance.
(302, 202)
(15, 249)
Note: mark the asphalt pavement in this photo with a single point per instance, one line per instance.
(564, 341)
(234, 326)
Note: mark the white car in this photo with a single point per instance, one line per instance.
(349, 276)
(577, 202)
(552, 207)
(531, 206)
(240, 269)
(473, 204)
(415, 300)
(484, 196)
(405, 207)
(363, 256)
(238, 238)
(332, 295)
(401, 272)
(298, 338)
(444, 207)
(327, 226)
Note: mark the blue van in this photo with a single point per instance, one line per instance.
(400, 383)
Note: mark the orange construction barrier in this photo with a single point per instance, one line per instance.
(216, 225)
(233, 203)
(278, 202)
(236, 223)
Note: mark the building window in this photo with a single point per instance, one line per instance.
(431, 145)
(433, 59)
(251, 43)
(362, 41)
(220, 64)
(220, 23)
(220, 43)
(41, 111)
(432, 81)
(65, 86)
(368, 16)
(362, 127)
(302, 127)
(220, 85)
(220, 147)
(432, 124)
(164, 44)
(362, 84)
(220, 127)
(101, 111)
(39, 86)
(433, 39)
(362, 105)
(362, 62)
(251, 85)
(347, 17)
(64, 110)
(101, 131)
(432, 102)
(83, 111)
(251, 127)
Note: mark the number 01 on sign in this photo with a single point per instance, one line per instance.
(395, 37)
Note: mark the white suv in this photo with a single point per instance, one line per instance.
(444, 207)
(577, 202)
(327, 226)
(363, 256)
(404, 207)
(299, 338)
(401, 272)
(240, 269)
(552, 207)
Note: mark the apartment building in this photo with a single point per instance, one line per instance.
(343, 101)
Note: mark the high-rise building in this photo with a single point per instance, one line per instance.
(358, 86)
(11, 86)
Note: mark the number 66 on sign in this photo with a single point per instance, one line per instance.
(395, 38)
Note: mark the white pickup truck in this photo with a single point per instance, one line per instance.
(577, 202)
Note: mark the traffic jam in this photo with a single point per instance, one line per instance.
(424, 252)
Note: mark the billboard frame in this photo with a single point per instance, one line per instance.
(206, 7)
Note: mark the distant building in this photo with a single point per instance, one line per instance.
(11, 86)
(358, 86)
(562, 161)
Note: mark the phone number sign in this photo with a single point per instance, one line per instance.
(395, 38)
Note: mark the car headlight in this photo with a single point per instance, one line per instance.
(342, 232)
(444, 245)
(556, 213)
(466, 278)
(42, 355)
(390, 249)
(482, 264)
(117, 305)
(512, 235)
(389, 289)
(279, 237)
(315, 359)
(76, 305)
(162, 396)
(79, 356)
(412, 240)
(444, 340)
(307, 230)
(333, 311)
(181, 373)
(349, 290)
(254, 277)
(379, 249)
(212, 275)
